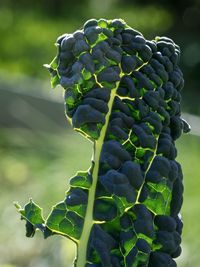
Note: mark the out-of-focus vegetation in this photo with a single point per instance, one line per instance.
(37, 148)
(31, 164)
(29, 28)
(29, 31)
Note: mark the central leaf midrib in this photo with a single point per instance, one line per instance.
(88, 222)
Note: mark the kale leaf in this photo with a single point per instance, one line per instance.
(122, 92)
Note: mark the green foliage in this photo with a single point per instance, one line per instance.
(122, 92)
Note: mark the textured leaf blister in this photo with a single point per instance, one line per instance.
(122, 92)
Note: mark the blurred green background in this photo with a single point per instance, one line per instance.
(38, 149)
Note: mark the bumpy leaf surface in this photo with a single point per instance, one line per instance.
(122, 92)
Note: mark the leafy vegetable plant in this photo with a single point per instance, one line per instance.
(122, 92)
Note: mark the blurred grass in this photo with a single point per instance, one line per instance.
(188, 155)
(36, 164)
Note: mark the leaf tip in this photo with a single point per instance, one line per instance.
(17, 206)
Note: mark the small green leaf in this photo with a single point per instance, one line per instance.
(31, 212)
